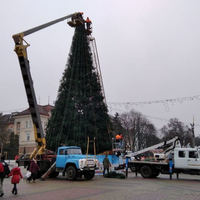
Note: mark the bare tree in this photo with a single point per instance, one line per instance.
(116, 125)
(177, 128)
(139, 131)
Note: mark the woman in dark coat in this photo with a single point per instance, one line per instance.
(34, 168)
(16, 175)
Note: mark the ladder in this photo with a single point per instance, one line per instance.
(96, 63)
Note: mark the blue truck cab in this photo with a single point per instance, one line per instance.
(73, 164)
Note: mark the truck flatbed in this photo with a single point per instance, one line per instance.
(147, 162)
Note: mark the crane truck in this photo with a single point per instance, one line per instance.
(176, 160)
(69, 160)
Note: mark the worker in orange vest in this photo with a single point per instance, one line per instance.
(88, 23)
(117, 138)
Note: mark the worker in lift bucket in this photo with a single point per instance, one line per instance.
(88, 23)
(117, 137)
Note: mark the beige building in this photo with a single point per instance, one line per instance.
(24, 128)
(6, 128)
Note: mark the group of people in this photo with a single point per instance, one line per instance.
(16, 174)
(33, 168)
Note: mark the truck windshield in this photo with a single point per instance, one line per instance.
(74, 151)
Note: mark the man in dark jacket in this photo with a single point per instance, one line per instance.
(3, 174)
(106, 164)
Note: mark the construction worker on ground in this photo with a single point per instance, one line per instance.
(106, 165)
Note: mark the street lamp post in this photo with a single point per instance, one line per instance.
(193, 136)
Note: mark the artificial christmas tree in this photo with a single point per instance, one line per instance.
(80, 111)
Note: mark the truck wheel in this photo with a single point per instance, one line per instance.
(71, 173)
(89, 176)
(132, 169)
(146, 172)
(155, 174)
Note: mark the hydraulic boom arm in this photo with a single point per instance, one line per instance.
(21, 51)
(162, 144)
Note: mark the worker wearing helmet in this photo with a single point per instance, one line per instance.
(88, 23)
(117, 137)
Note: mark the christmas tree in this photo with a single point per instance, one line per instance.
(80, 111)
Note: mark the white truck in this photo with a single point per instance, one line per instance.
(177, 160)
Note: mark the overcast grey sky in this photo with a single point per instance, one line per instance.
(148, 49)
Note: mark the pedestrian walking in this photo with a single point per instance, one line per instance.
(16, 157)
(16, 175)
(34, 168)
(4, 171)
(106, 165)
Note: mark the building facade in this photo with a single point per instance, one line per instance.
(23, 126)
(6, 128)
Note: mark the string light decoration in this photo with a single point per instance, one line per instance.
(111, 109)
(128, 105)
(164, 102)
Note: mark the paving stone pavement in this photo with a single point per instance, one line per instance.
(100, 188)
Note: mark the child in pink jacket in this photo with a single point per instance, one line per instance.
(16, 175)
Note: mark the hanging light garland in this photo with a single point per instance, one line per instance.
(128, 105)
(111, 109)
(164, 102)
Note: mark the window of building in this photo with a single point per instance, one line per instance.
(18, 125)
(28, 137)
(30, 124)
(26, 124)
